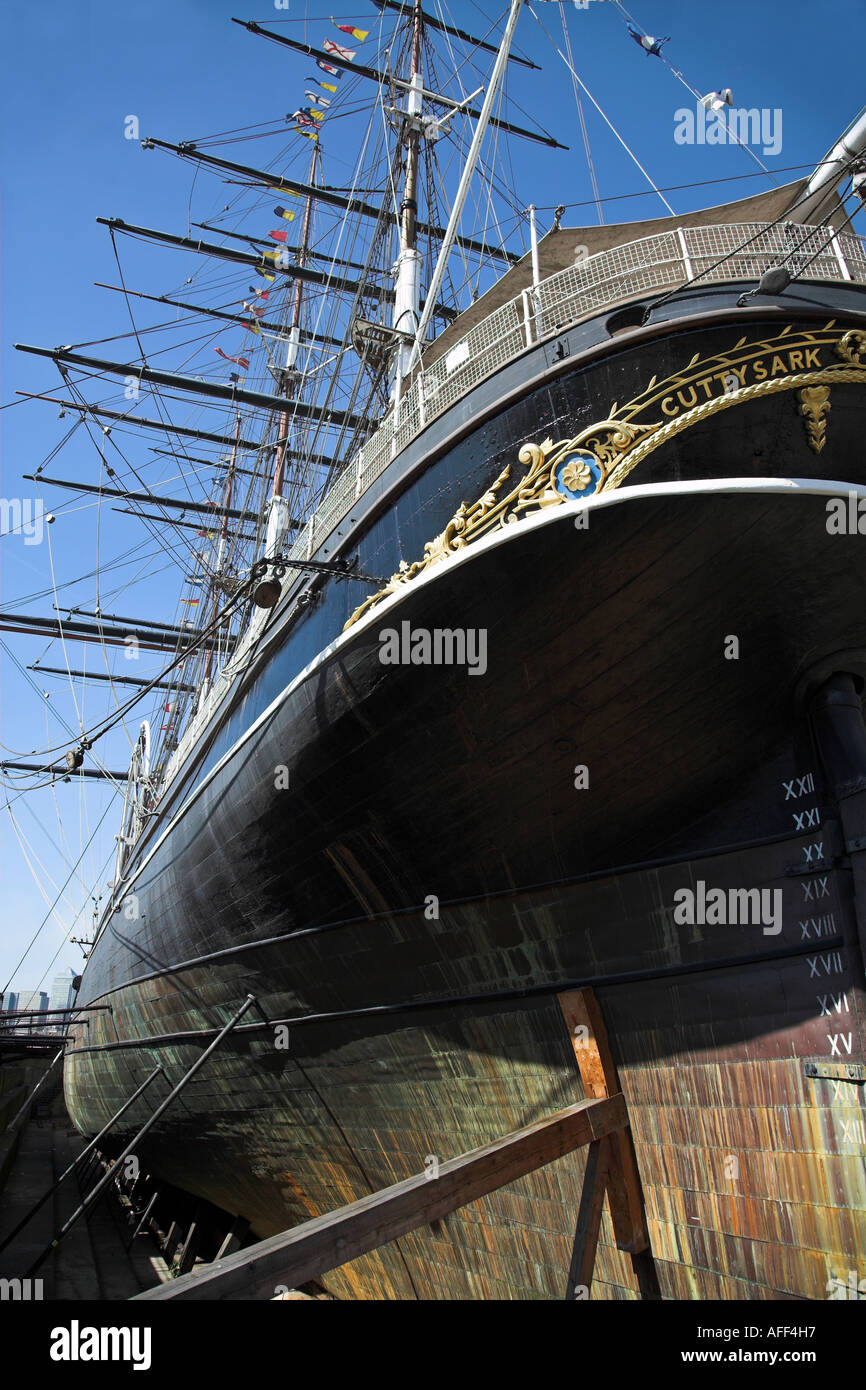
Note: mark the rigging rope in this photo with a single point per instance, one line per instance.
(50, 912)
(607, 122)
(696, 94)
(581, 118)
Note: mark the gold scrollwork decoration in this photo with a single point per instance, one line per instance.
(453, 538)
(600, 457)
(814, 406)
(851, 345)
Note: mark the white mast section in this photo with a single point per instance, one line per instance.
(533, 237)
(465, 180)
(832, 171)
(278, 510)
(407, 290)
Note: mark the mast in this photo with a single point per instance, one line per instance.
(387, 79)
(830, 173)
(465, 179)
(221, 550)
(282, 183)
(278, 513)
(226, 509)
(197, 385)
(243, 320)
(181, 504)
(125, 417)
(434, 23)
(161, 640)
(407, 294)
(108, 676)
(275, 260)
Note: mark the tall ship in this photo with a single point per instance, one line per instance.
(528, 656)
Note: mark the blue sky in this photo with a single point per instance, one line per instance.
(76, 71)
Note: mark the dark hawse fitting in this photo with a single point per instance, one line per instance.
(773, 281)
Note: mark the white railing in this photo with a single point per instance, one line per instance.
(714, 254)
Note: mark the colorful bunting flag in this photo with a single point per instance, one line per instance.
(652, 47)
(254, 309)
(278, 236)
(240, 361)
(328, 86)
(262, 294)
(347, 54)
(313, 113)
(193, 601)
(284, 212)
(263, 270)
(359, 34)
(313, 96)
(310, 134)
(326, 67)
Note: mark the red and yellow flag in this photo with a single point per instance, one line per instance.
(359, 34)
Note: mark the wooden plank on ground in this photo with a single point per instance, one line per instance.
(295, 1257)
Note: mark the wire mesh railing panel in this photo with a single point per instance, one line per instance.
(708, 254)
(337, 501)
(705, 255)
(746, 250)
(853, 249)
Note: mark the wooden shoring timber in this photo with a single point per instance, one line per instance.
(305, 1252)
(189, 1249)
(612, 1169)
(595, 1179)
(233, 1237)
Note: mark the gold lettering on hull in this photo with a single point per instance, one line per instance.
(601, 456)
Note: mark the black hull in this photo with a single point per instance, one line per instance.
(412, 1033)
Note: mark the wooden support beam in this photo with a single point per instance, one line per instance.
(171, 1242)
(598, 1073)
(186, 1259)
(233, 1237)
(588, 1219)
(306, 1252)
(616, 1171)
(142, 1220)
